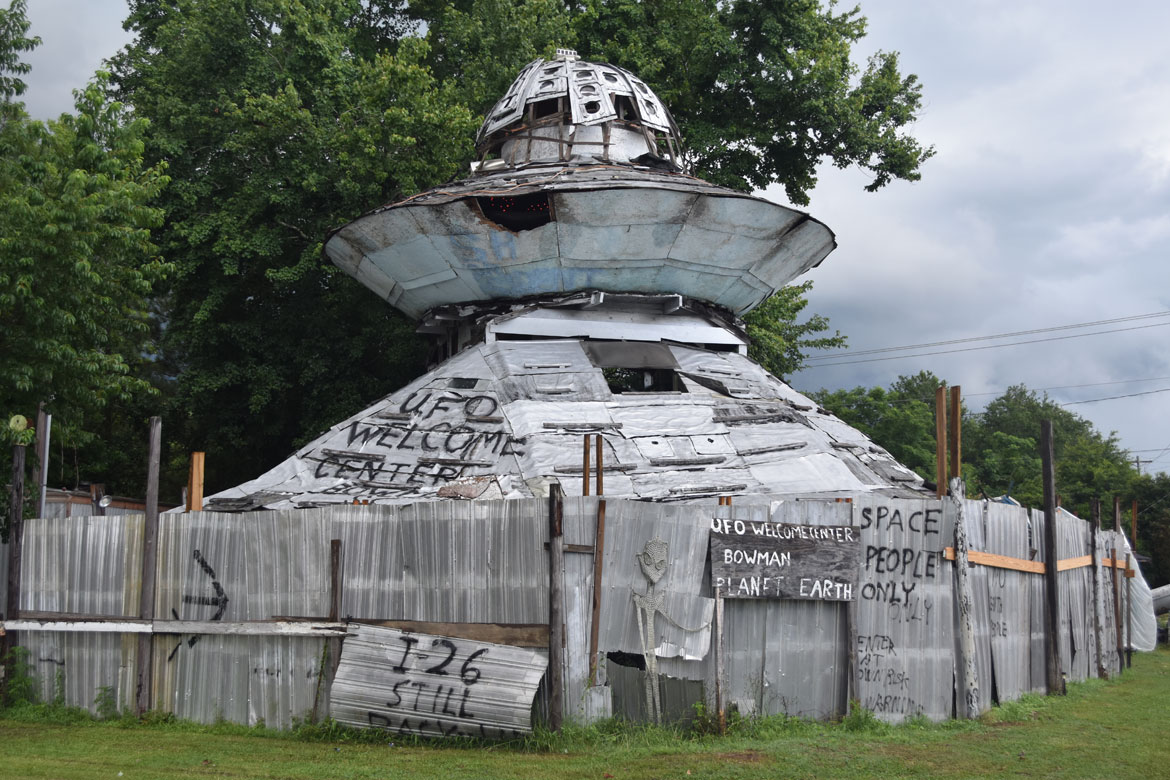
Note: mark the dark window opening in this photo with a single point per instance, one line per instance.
(519, 212)
(643, 380)
(462, 383)
(624, 108)
(543, 108)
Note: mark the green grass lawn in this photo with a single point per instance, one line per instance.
(1101, 729)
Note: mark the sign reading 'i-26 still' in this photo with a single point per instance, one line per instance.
(763, 560)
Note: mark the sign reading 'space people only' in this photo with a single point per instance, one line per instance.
(763, 560)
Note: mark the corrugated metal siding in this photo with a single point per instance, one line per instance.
(905, 629)
(1009, 601)
(802, 669)
(417, 683)
(485, 561)
(83, 565)
(980, 575)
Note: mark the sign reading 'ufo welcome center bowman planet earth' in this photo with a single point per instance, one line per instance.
(764, 560)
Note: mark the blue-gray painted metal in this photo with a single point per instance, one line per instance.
(634, 232)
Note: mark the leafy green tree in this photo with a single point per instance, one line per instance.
(276, 131)
(903, 426)
(779, 341)
(763, 92)
(14, 40)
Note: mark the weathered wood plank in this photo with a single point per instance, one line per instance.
(514, 634)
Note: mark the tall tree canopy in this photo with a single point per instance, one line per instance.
(77, 262)
(279, 120)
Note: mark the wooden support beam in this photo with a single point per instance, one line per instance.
(1128, 613)
(555, 641)
(15, 545)
(1117, 604)
(585, 475)
(195, 483)
(940, 436)
(1051, 574)
(143, 691)
(598, 570)
(41, 460)
(966, 667)
(1098, 604)
(956, 438)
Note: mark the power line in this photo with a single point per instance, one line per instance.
(990, 346)
(1073, 387)
(1114, 397)
(969, 339)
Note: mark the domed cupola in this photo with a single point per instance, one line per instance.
(570, 111)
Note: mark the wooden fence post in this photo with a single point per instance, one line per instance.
(556, 616)
(15, 546)
(1129, 610)
(1051, 575)
(195, 483)
(1098, 604)
(940, 436)
(967, 668)
(143, 693)
(598, 569)
(1116, 607)
(956, 433)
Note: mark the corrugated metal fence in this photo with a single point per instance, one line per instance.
(893, 648)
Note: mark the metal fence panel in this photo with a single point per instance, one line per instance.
(905, 630)
(1009, 600)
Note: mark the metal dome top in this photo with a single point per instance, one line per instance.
(567, 109)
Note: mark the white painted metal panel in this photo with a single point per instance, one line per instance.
(409, 683)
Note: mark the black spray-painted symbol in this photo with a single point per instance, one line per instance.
(219, 600)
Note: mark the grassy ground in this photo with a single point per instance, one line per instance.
(1101, 729)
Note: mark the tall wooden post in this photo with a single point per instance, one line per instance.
(195, 483)
(1128, 610)
(556, 611)
(956, 433)
(15, 545)
(585, 475)
(1116, 514)
(143, 693)
(41, 464)
(1116, 607)
(720, 671)
(1098, 604)
(1051, 575)
(967, 668)
(598, 569)
(940, 435)
(1133, 526)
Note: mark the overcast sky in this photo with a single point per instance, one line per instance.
(1047, 204)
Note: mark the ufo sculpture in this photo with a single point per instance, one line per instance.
(579, 282)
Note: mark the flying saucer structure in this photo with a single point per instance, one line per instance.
(579, 282)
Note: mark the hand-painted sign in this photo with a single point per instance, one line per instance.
(439, 686)
(763, 560)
